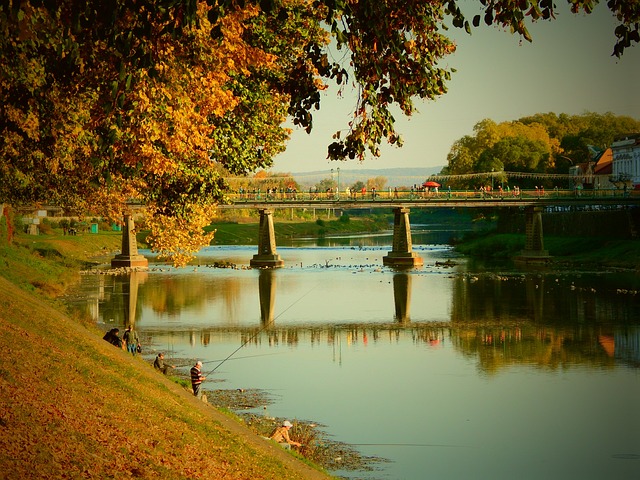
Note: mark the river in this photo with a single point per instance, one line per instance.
(454, 370)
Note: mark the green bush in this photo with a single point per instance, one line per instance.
(46, 228)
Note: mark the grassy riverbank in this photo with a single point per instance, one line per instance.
(73, 406)
(245, 231)
(590, 251)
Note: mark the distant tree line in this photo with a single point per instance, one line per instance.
(544, 143)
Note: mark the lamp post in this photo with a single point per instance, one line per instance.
(332, 181)
(338, 195)
(573, 183)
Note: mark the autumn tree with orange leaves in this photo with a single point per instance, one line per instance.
(113, 100)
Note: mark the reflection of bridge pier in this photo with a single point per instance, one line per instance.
(129, 284)
(402, 254)
(402, 296)
(267, 255)
(267, 291)
(534, 251)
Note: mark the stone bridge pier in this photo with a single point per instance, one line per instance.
(129, 256)
(267, 257)
(534, 251)
(402, 254)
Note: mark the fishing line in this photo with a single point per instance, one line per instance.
(408, 445)
(245, 356)
(236, 358)
(258, 332)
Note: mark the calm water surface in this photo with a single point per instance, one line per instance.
(456, 372)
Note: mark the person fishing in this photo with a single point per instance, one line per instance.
(159, 364)
(281, 435)
(196, 378)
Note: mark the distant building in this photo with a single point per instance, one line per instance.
(603, 170)
(583, 173)
(594, 173)
(626, 160)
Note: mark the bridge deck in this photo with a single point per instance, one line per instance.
(562, 198)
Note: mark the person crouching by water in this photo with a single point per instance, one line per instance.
(281, 435)
(197, 378)
(112, 337)
(159, 364)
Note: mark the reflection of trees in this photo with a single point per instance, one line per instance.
(539, 320)
(172, 295)
(498, 347)
(537, 298)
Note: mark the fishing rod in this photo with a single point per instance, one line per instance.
(258, 332)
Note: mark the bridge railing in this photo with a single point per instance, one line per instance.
(431, 195)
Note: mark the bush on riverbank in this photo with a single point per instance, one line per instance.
(576, 250)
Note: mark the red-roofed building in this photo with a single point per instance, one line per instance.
(603, 170)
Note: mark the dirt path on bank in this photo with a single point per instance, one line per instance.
(73, 406)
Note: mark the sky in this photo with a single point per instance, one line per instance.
(567, 69)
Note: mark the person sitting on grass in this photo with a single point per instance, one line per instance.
(159, 364)
(112, 337)
(281, 435)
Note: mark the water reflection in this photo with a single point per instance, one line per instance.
(499, 319)
(114, 298)
(542, 298)
(478, 355)
(402, 295)
(267, 289)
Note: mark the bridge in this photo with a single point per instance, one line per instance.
(533, 202)
(443, 199)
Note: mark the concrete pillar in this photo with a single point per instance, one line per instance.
(534, 251)
(267, 257)
(129, 256)
(402, 254)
